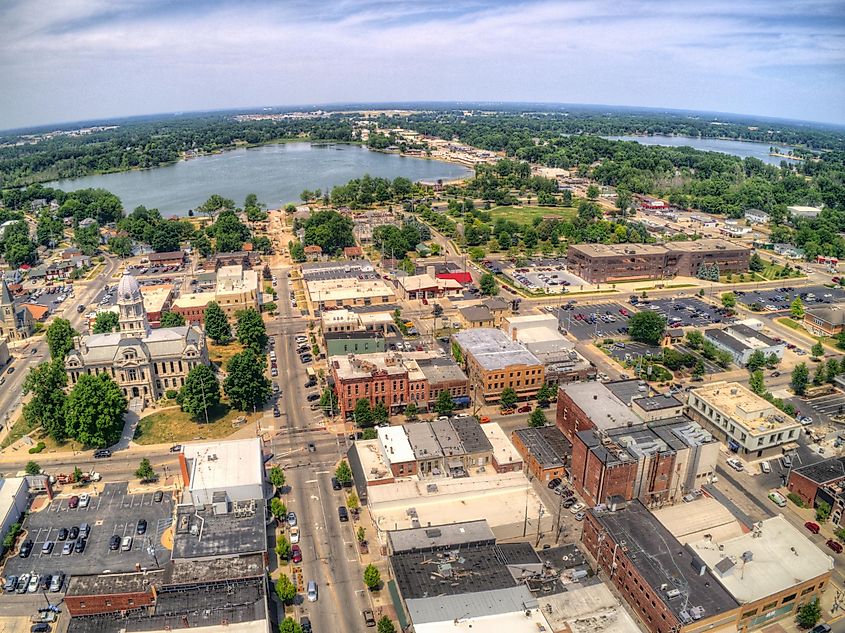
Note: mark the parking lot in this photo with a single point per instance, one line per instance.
(111, 512)
(824, 408)
(633, 350)
(595, 321)
(685, 312)
(782, 298)
(547, 275)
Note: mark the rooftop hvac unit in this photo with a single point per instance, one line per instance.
(673, 593)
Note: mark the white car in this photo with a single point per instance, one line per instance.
(84, 500)
(294, 535)
(575, 509)
(735, 464)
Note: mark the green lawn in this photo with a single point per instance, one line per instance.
(525, 215)
(173, 425)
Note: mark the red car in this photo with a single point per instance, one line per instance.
(812, 527)
(623, 312)
(296, 554)
(834, 545)
(525, 409)
(73, 502)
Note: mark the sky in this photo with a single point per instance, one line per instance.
(70, 60)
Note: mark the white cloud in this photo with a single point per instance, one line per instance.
(101, 59)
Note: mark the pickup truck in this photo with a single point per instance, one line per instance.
(369, 618)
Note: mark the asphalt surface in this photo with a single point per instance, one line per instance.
(328, 546)
(583, 330)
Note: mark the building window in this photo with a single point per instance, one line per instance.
(748, 614)
(788, 598)
(807, 590)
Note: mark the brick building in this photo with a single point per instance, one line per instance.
(545, 451)
(667, 586)
(807, 481)
(608, 263)
(111, 593)
(590, 405)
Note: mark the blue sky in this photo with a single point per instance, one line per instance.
(84, 59)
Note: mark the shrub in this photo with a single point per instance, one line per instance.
(171, 394)
(794, 498)
(11, 535)
(37, 448)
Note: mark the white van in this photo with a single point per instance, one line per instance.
(765, 468)
(312, 591)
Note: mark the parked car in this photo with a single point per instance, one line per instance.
(369, 618)
(554, 483)
(23, 582)
(84, 500)
(777, 498)
(57, 581)
(291, 518)
(73, 533)
(67, 548)
(812, 527)
(102, 453)
(295, 554)
(26, 549)
(575, 509)
(836, 546)
(305, 624)
(40, 627)
(126, 544)
(294, 535)
(176, 448)
(84, 530)
(141, 527)
(579, 516)
(821, 628)
(734, 463)
(80, 545)
(47, 548)
(312, 397)
(342, 513)
(158, 496)
(44, 583)
(525, 409)
(11, 583)
(32, 587)
(336, 484)
(114, 542)
(765, 467)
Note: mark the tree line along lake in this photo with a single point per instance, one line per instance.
(743, 149)
(276, 173)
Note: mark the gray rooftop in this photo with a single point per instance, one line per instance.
(423, 441)
(476, 314)
(472, 436)
(440, 370)
(726, 340)
(834, 316)
(658, 403)
(627, 390)
(470, 605)
(240, 531)
(825, 471)
(547, 444)
(661, 560)
(448, 438)
(114, 583)
(450, 536)
(599, 404)
(493, 350)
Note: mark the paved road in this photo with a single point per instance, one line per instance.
(328, 546)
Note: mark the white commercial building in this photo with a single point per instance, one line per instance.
(224, 471)
(742, 339)
(750, 425)
(14, 500)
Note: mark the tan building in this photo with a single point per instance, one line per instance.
(236, 289)
(824, 321)
(327, 294)
(751, 426)
(145, 363)
(494, 362)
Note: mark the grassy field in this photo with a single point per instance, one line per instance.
(774, 271)
(173, 425)
(219, 354)
(525, 215)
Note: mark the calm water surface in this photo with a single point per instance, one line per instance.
(742, 149)
(275, 173)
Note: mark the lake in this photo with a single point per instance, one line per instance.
(743, 149)
(275, 173)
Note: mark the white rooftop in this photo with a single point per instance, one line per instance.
(225, 463)
(689, 522)
(513, 622)
(752, 567)
(9, 488)
(493, 350)
(582, 607)
(503, 450)
(397, 448)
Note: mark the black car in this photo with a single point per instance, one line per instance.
(305, 624)
(158, 496)
(176, 448)
(568, 503)
(101, 453)
(73, 533)
(312, 397)
(342, 513)
(276, 412)
(41, 627)
(80, 546)
(141, 528)
(336, 484)
(26, 549)
(63, 532)
(114, 542)
(554, 483)
(44, 582)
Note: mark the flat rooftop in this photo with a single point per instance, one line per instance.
(188, 572)
(661, 560)
(825, 471)
(193, 299)
(201, 533)
(114, 583)
(347, 289)
(745, 408)
(618, 250)
(757, 565)
(423, 440)
(627, 390)
(599, 404)
(547, 444)
(441, 370)
(371, 458)
(582, 607)
(503, 450)
(451, 536)
(493, 350)
(352, 366)
(397, 448)
(658, 403)
(449, 573)
(227, 463)
(156, 296)
(472, 436)
(512, 609)
(448, 439)
(689, 522)
(705, 245)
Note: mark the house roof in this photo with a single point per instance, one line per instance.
(37, 311)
